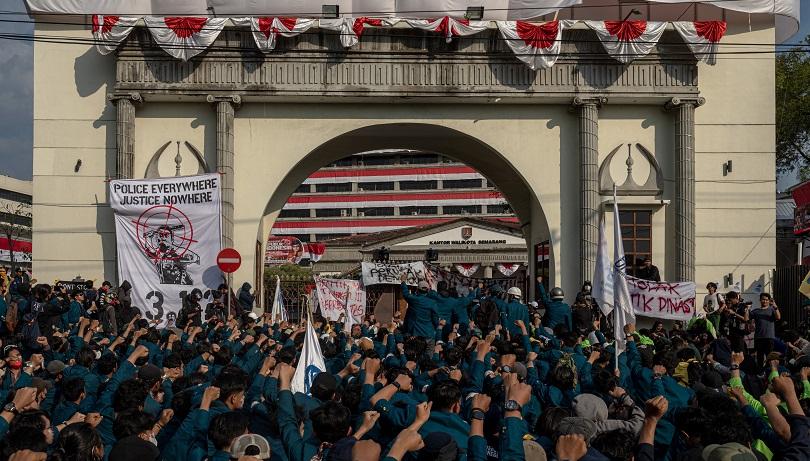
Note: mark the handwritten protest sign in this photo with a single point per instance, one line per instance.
(375, 273)
(335, 295)
(662, 300)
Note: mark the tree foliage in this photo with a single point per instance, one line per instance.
(793, 110)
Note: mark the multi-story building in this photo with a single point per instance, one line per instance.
(388, 190)
(15, 222)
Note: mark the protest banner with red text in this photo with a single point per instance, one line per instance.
(662, 300)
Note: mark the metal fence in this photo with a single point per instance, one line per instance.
(786, 282)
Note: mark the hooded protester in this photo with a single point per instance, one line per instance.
(125, 312)
(191, 312)
(245, 299)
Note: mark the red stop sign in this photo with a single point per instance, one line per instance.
(229, 260)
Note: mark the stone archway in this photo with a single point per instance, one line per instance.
(450, 142)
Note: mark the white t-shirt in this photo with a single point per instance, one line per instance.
(711, 303)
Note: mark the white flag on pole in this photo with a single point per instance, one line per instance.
(309, 364)
(622, 306)
(279, 313)
(602, 291)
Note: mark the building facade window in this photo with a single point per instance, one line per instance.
(338, 187)
(417, 210)
(461, 184)
(14, 196)
(418, 185)
(294, 214)
(16, 219)
(377, 160)
(344, 162)
(499, 209)
(636, 237)
(373, 186)
(462, 209)
(376, 211)
(322, 237)
(419, 159)
(333, 212)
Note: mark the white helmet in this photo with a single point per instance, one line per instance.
(514, 291)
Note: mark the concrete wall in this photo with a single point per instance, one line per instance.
(535, 156)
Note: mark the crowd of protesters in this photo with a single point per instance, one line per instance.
(481, 377)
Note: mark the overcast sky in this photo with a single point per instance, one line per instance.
(16, 104)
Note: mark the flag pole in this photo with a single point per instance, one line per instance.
(615, 306)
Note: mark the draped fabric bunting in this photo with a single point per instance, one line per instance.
(536, 45)
(507, 269)
(467, 269)
(110, 31)
(449, 27)
(703, 38)
(266, 29)
(185, 37)
(352, 28)
(628, 40)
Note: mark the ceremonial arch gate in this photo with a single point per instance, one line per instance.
(267, 121)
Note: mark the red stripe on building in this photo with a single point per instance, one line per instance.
(369, 197)
(392, 171)
(389, 222)
(19, 245)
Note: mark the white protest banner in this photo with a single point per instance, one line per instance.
(662, 300)
(336, 295)
(379, 273)
(168, 236)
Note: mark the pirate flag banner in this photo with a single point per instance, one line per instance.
(168, 233)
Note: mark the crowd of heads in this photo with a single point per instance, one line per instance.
(86, 375)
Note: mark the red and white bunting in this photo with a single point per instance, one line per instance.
(507, 269)
(352, 28)
(703, 38)
(266, 29)
(315, 251)
(110, 31)
(449, 27)
(628, 40)
(537, 45)
(467, 269)
(185, 37)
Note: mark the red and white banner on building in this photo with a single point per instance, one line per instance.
(358, 226)
(467, 269)
(266, 29)
(625, 41)
(507, 269)
(322, 201)
(536, 45)
(314, 251)
(185, 37)
(703, 38)
(110, 31)
(351, 29)
(449, 27)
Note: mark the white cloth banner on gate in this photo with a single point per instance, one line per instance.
(110, 31)
(185, 37)
(467, 269)
(379, 273)
(507, 269)
(336, 296)
(168, 235)
(662, 300)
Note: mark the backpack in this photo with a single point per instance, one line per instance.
(487, 315)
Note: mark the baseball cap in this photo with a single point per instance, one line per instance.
(253, 316)
(423, 284)
(55, 367)
(577, 425)
(533, 303)
(728, 452)
(533, 451)
(520, 369)
(250, 445)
